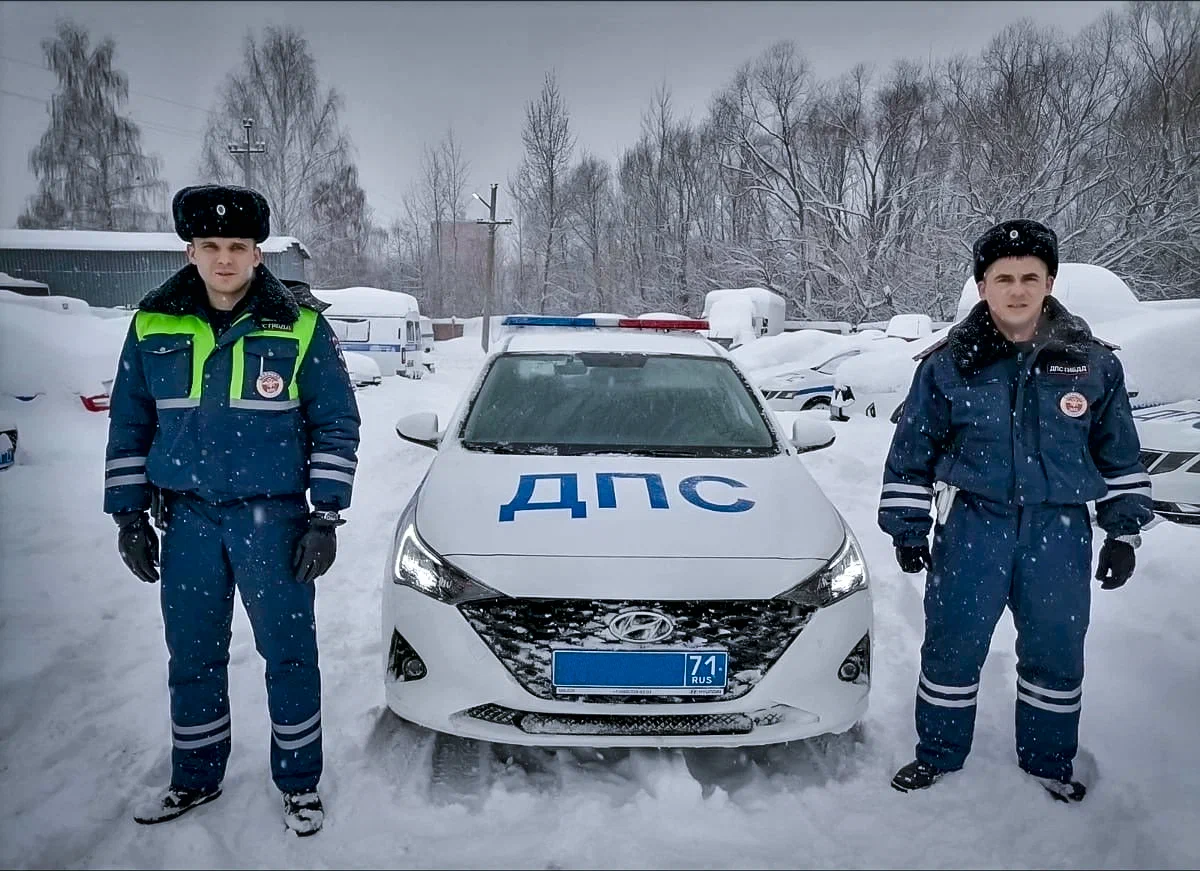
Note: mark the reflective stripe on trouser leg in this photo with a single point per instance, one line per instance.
(965, 595)
(1051, 605)
(196, 593)
(261, 536)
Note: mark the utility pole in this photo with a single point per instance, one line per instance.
(492, 223)
(246, 150)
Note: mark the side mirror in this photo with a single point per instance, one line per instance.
(420, 428)
(811, 435)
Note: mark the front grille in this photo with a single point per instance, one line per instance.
(522, 633)
(535, 723)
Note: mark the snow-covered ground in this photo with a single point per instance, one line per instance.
(84, 726)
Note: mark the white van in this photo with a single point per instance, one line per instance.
(383, 324)
(741, 314)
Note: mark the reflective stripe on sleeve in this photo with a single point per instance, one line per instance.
(898, 502)
(123, 480)
(333, 460)
(328, 475)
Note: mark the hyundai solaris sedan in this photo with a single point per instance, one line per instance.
(618, 545)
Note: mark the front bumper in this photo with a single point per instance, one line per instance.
(467, 690)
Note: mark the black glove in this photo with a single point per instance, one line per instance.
(138, 544)
(913, 558)
(316, 550)
(1116, 564)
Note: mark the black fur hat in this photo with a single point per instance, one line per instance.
(221, 210)
(1018, 238)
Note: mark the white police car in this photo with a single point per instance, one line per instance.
(8, 444)
(618, 545)
(801, 388)
(1170, 438)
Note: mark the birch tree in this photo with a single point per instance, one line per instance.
(91, 170)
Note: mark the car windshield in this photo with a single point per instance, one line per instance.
(649, 404)
(832, 363)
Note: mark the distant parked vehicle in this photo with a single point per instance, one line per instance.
(804, 387)
(8, 443)
(383, 324)
(364, 371)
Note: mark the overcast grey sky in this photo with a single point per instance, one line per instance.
(410, 71)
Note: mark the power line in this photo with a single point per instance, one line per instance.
(139, 93)
(153, 125)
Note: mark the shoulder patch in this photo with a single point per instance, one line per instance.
(940, 343)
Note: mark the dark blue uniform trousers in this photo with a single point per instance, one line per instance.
(1037, 561)
(207, 551)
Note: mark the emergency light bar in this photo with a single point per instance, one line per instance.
(623, 323)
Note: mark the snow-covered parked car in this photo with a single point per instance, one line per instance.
(59, 352)
(8, 443)
(618, 545)
(1157, 347)
(1170, 437)
(800, 388)
(363, 370)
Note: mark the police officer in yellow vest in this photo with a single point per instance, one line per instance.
(230, 403)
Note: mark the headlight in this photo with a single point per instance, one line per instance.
(415, 564)
(844, 574)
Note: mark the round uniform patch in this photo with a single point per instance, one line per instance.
(269, 384)
(1013, 234)
(1073, 404)
(220, 210)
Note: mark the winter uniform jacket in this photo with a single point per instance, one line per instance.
(267, 409)
(1051, 426)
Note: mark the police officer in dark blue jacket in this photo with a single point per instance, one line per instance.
(1013, 423)
(230, 403)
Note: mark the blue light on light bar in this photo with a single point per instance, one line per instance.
(546, 321)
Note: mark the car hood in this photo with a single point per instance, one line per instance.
(469, 510)
(470, 504)
(1173, 427)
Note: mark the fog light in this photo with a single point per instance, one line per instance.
(856, 667)
(404, 663)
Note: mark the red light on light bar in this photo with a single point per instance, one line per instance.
(638, 323)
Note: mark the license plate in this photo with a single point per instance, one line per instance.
(640, 672)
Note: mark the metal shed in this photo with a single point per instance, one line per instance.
(117, 269)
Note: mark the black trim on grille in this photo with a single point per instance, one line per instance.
(522, 633)
(537, 723)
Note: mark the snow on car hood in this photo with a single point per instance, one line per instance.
(469, 504)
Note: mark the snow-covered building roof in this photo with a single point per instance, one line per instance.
(112, 240)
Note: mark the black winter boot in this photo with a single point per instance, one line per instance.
(175, 802)
(303, 812)
(916, 775)
(1062, 790)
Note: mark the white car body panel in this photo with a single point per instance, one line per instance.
(1170, 441)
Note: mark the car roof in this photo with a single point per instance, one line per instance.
(528, 340)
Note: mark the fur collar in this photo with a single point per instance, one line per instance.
(976, 343)
(271, 300)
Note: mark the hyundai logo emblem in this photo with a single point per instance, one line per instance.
(645, 627)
